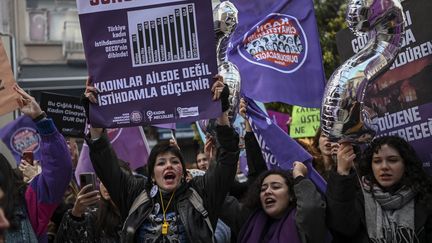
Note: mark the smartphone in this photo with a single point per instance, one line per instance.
(87, 178)
(28, 156)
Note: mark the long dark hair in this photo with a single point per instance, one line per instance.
(13, 187)
(108, 218)
(414, 177)
(252, 198)
(318, 158)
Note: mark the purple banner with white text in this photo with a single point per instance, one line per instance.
(152, 61)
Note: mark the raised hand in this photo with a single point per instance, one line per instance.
(217, 87)
(90, 91)
(299, 169)
(345, 158)
(27, 103)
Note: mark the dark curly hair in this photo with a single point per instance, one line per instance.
(252, 198)
(414, 177)
(161, 148)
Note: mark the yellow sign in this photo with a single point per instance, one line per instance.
(305, 122)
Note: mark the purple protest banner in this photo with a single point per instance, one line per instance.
(280, 119)
(21, 135)
(279, 149)
(276, 47)
(401, 97)
(151, 61)
(129, 144)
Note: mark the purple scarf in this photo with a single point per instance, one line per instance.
(255, 229)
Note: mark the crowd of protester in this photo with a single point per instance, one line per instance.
(381, 194)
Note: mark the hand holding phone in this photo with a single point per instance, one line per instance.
(88, 178)
(88, 196)
(28, 156)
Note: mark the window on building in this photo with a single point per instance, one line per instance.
(48, 18)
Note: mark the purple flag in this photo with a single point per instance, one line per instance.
(280, 119)
(283, 151)
(20, 135)
(277, 49)
(129, 144)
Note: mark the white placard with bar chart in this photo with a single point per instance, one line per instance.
(163, 35)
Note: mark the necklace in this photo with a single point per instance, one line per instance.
(165, 224)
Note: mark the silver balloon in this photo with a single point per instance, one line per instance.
(231, 76)
(225, 20)
(225, 17)
(344, 115)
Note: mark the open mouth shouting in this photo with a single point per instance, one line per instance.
(269, 202)
(169, 177)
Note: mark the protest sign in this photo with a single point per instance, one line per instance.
(276, 48)
(8, 97)
(21, 135)
(151, 61)
(67, 113)
(305, 122)
(401, 97)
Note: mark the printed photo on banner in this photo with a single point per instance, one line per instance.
(401, 97)
(152, 62)
(8, 96)
(276, 48)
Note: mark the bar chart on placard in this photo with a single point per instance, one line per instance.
(164, 36)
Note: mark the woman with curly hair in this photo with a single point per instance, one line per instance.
(280, 207)
(395, 202)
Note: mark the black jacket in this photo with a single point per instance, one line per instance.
(213, 187)
(256, 165)
(310, 215)
(346, 215)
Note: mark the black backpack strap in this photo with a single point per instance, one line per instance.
(198, 204)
